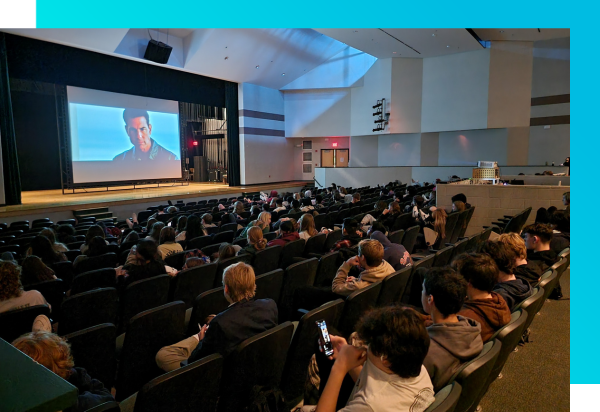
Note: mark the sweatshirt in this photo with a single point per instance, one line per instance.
(91, 391)
(366, 278)
(396, 255)
(529, 272)
(284, 239)
(451, 345)
(491, 314)
(514, 291)
(544, 258)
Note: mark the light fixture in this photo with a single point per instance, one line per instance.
(226, 58)
(433, 35)
(283, 74)
(447, 46)
(257, 67)
(501, 31)
(394, 52)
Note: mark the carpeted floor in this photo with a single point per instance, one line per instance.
(536, 378)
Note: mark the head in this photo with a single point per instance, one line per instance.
(307, 224)
(49, 350)
(181, 222)
(460, 197)
(307, 194)
(295, 204)
(381, 205)
(256, 239)
(49, 233)
(10, 280)
(370, 253)
(297, 196)
(207, 219)
(394, 208)
(226, 251)
(504, 256)
(66, 230)
(561, 221)
(194, 228)
(411, 191)
(444, 290)
(238, 208)
(318, 199)
(255, 210)
(97, 247)
(551, 210)
(132, 237)
(150, 223)
(155, 232)
(478, 269)
(41, 247)
(286, 227)
(537, 237)
(378, 226)
(542, 216)
(515, 243)
(193, 262)
(439, 221)
(146, 250)
(33, 270)
(458, 206)
(355, 197)
(264, 218)
(349, 226)
(396, 336)
(167, 235)
(239, 282)
(266, 207)
(92, 232)
(160, 208)
(418, 201)
(279, 202)
(138, 128)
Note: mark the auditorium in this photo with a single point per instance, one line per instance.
(387, 209)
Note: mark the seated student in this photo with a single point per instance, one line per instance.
(154, 234)
(420, 216)
(524, 269)
(318, 202)
(542, 216)
(97, 247)
(458, 206)
(409, 193)
(537, 240)
(41, 247)
(263, 222)
(207, 220)
(244, 318)
(567, 201)
(514, 290)
(66, 234)
(561, 236)
(350, 235)
(483, 304)
(49, 233)
(461, 198)
(370, 258)
(193, 229)
(286, 234)
(356, 200)
(396, 255)
(389, 215)
(280, 207)
(12, 295)
(141, 264)
(33, 270)
(159, 211)
(295, 206)
(168, 246)
(455, 339)
(307, 226)
(52, 352)
(256, 242)
(387, 365)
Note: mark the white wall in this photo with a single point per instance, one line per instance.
(363, 151)
(318, 144)
(466, 147)
(407, 90)
(455, 92)
(377, 85)
(549, 145)
(399, 149)
(317, 113)
(359, 177)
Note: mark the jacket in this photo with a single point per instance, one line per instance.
(560, 241)
(238, 322)
(514, 291)
(91, 391)
(396, 255)
(366, 278)
(491, 314)
(139, 272)
(284, 239)
(451, 345)
(530, 272)
(544, 259)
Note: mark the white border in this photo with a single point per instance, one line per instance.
(18, 14)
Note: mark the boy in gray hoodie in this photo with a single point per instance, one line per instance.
(454, 338)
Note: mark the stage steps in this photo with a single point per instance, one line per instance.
(100, 213)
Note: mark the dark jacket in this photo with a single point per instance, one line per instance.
(250, 250)
(451, 345)
(91, 391)
(284, 239)
(396, 255)
(491, 314)
(560, 241)
(544, 259)
(240, 321)
(530, 272)
(514, 291)
(139, 272)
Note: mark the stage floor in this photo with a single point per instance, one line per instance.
(54, 200)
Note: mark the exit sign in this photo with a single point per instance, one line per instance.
(334, 144)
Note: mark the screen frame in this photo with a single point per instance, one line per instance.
(65, 154)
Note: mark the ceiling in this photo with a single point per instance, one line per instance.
(521, 34)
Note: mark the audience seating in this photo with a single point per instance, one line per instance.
(532, 305)
(548, 282)
(393, 287)
(315, 244)
(54, 293)
(296, 276)
(267, 260)
(223, 237)
(446, 399)
(101, 278)
(106, 407)
(332, 239)
(290, 251)
(94, 350)
(88, 309)
(211, 249)
(147, 333)
(442, 257)
(356, 305)
(143, 295)
(459, 248)
(200, 242)
(459, 226)
(65, 272)
(269, 285)
(328, 266)
(412, 293)
(208, 303)
(396, 237)
(176, 260)
(224, 264)
(192, 282)
(108, 260)
(16, 322)
(410, 238)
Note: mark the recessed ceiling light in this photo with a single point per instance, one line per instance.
(433, 35)
(501, 31)
(283, 74)
(447, 46)
(394, 52)
(257, 67)
(355, 31)
(226, 57)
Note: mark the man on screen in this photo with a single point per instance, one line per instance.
(139, 130)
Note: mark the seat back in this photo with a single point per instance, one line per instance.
(548, 281)
(328, 266)
(459, 226)
(460, 247)
(108, 260)
(94, 350)
(16, 322)
(101, 278)
(332, 239)
(88, 309)
(176, 260)
(296, 276)
(208, 303)
(54, 293)
(224, 237)
(410, 238)
(291, 250)
(393, 287)
(64, 271)
(472, 376)
(532, 305)
(472, 244)
(224, 264)
(471, 210)
(561, 266)
(315, 244)
(449, 230)
(356, 305)
(199, 242)
(267, 260)
(193, 388)
(258, 361)
(442, 257)
(302, 348)
(147, 333)
(446, 399)
(106, 407)
(228, 227)
(412, 292)
(321, 221)
(191, 282)
(143, 295)
(269, 285)
(396, 237)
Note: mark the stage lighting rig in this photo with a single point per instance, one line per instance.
(383, 115)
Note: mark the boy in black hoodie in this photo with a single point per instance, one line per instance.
(454, 339)
(524, 269)
(537, 240)
(512, 289)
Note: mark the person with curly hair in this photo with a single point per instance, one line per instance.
(33, 270)
(12, 295)
(52, 352)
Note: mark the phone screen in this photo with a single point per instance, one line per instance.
(327, 347)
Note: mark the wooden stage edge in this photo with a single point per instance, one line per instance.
(54, 201)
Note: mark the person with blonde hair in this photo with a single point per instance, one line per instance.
(256, 242)
(244, 318)
(263, 222)
(458, 206)
(307, 226)
(529, 271)
(52, 352)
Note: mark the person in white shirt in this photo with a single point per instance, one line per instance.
(280, 207)
(386, 363)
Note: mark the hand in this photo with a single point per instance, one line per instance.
(202, 332)
(337, 342)
(350, 279)
(353, 261)
(359, 233)
(349, 357)
(386, 211)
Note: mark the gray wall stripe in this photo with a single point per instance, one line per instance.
(261, 115)
(262, 132)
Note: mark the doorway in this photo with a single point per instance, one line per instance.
(334, 157)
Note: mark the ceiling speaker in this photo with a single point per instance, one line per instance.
(158, 52)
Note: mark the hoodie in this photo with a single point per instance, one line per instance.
(514, 291)
(396, 255)
(491, 314)
(530, 272)
(91, 391)
(284, 239)
(544, 259)
(451, 345)
(366, 278)
(560, 241)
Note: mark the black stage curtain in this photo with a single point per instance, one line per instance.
(10, 162)
(233, 134)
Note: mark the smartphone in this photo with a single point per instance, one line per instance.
(327, 346)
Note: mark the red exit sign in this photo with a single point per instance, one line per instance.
(334, 144)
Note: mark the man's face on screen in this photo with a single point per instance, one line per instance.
(139, 132)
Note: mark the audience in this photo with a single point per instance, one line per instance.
(193, 229)
(350, 235)
(141, 264)
(226, 251)
(561, 236)
(394, 254)
(286, 234)
(33, 270)
(66, 234)
(537, 240)
(168, 246)
(256, 242)
(181, 222)
(92, 232)
(461, 198)
(307, 226)
(483, 304)
(97, 247)
(455, 339)
(458, 206)
(356, 199)
(280, 207)
(41, 247)
(542, 216)
(263, 223)
(57, 246)
(154, 234)
(207, 221)
(389, 215)
(244, 318)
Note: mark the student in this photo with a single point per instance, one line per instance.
(356, 200)
(244, 318)
(350, 235)
(280, 207)
(12, 295)
(207, 221)
(396, 255)
(537, 240)
(483, 304)
(307, 226)
(256, 242)
(193, 229)
(528, 271)
(141, 264)
(455, 339)
(511, 288)
(462, 198)
(561, 228)
(168, 246)
(286, 234)
(389, 215)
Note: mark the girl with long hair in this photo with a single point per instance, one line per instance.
(307, 226)
(256, 242)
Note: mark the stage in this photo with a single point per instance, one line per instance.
(122, 201)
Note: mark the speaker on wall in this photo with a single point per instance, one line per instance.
(158, 52)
